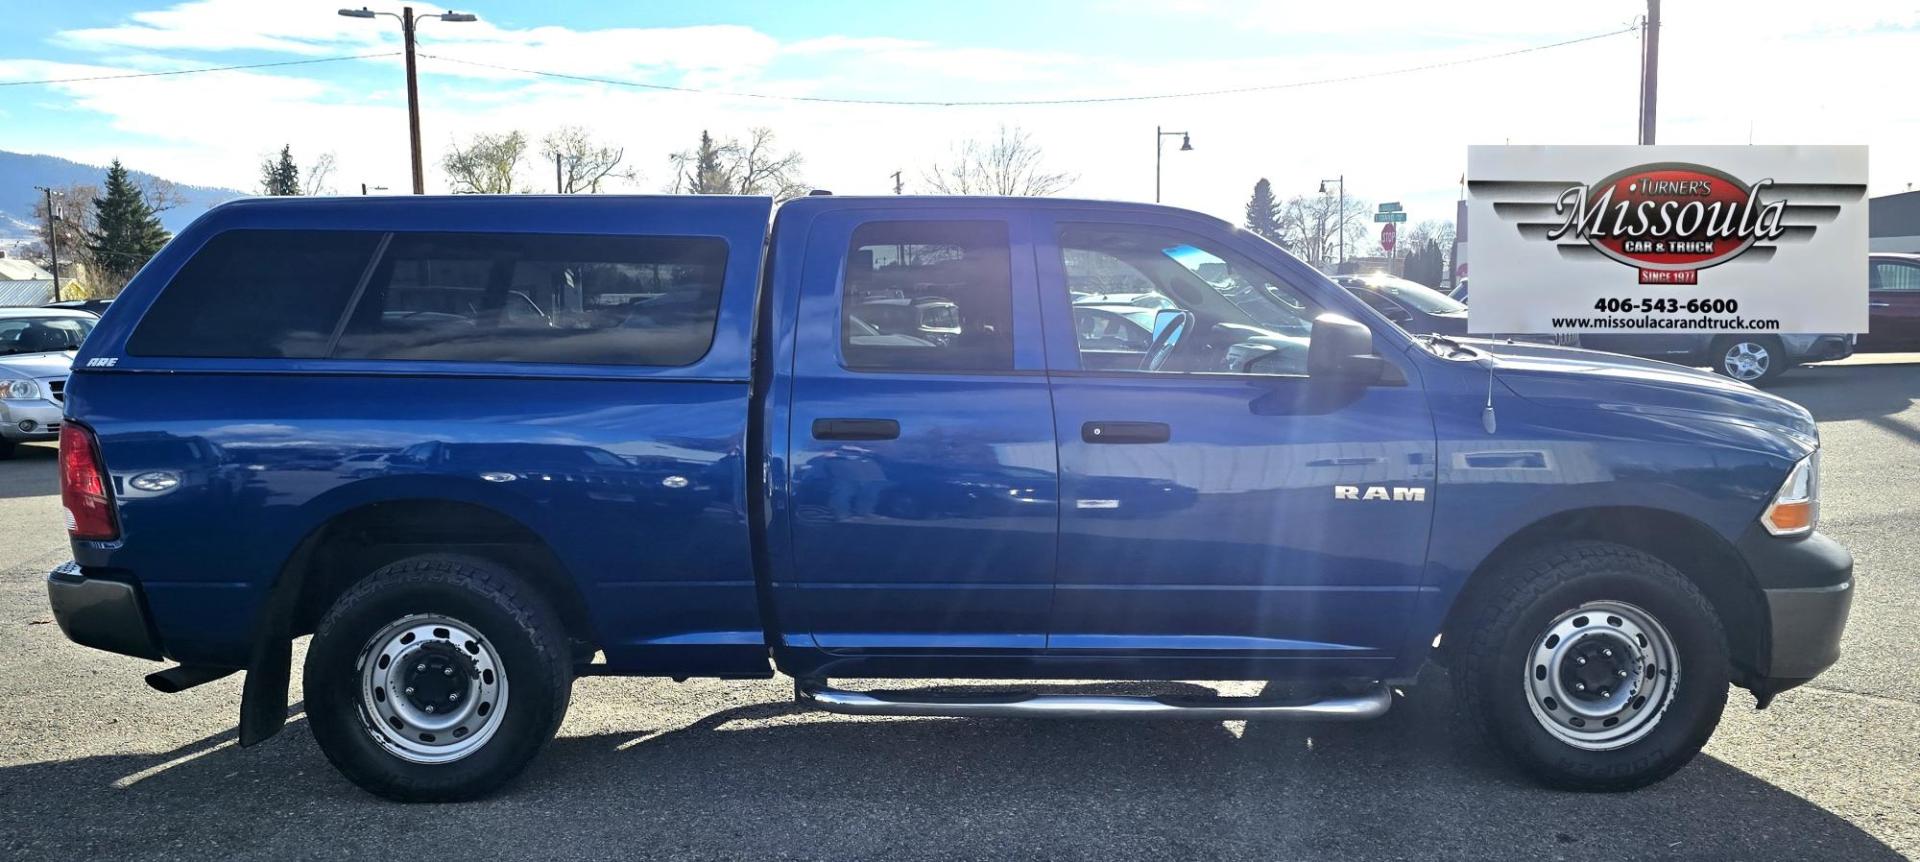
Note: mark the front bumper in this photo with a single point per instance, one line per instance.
(103, 614)
(42, 417)
(1807, 585)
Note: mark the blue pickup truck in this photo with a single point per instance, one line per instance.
(478, 447)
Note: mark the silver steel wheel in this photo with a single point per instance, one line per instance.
(432, 689)
(1746, 360)
(1601, 675)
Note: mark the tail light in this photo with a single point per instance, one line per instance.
(83, 487)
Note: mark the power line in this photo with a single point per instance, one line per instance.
(937, 103)
(198, 71)
(1007, 103)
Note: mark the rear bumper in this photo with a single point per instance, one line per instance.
(1807, 585)
(103, 614)
(1819, 348)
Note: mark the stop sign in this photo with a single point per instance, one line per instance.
(1386, 236)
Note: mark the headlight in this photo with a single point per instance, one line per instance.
(20, 390)
(1796, 508)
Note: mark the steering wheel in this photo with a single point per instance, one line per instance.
(1167, 337)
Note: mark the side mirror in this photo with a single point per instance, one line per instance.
(1169, 324)
(1342, 350)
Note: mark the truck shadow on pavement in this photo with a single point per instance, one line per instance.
(1841, 392)
(33, 471)
(772, 780)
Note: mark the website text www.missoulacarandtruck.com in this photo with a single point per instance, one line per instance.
(1702, 322)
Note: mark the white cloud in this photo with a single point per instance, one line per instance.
(1725, 68)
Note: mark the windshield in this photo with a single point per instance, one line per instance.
(1415, 294)
(43, 334)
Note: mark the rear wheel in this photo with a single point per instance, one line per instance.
(1593, 666)
(1757, 360)
(438, 678)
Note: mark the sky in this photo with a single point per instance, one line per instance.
(1760, 71)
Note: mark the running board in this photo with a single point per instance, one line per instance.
(1358, 707)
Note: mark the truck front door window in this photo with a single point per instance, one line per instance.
(1245, 320)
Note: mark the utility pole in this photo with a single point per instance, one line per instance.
(898, 187)
(559, 188)
(413, 102)
(1649, 70)
(53, 241)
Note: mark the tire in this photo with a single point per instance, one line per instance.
(495, 639)
(1539, 628)
(1758, 360)
(7, 448)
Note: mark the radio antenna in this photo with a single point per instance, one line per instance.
(1487, 419)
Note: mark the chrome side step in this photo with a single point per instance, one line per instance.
(1371, 704)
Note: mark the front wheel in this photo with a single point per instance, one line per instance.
(1758, 360)
(1593, 666)
(437, 678)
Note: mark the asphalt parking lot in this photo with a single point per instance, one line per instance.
(94, 764)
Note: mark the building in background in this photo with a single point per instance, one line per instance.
(1893, 222)
(24, 283)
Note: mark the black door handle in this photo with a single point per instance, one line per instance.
(1125, 432)
(856, 429)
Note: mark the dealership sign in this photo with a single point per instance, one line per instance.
(1659, 239)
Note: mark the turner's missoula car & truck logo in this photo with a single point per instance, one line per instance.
(1669, 220)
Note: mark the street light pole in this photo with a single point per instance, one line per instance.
(53, 241)
(1339, 219)
(1650, 71)
(408, 23)
(1186, 146)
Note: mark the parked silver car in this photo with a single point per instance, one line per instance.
(36, 353)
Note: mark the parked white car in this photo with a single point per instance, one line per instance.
(36, 353)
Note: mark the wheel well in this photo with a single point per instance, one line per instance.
(1683, 543)
(355, 543)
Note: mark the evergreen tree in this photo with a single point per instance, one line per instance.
(125, 230)
(1263, 212)
(280, 176)
(707, 175)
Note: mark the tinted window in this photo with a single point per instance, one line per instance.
(928, 295)
(540, 298)
(257, 293)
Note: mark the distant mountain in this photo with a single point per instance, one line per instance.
(20, 172)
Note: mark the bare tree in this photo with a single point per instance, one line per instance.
(73, 211)
(759, 169)
(488, 165)
(161, 193)
(1311, 226)
(1011, 164)
(756, 167)
(317, 176)
(584, 164)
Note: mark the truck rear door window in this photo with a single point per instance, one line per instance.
(928, 296)
(257, 294)
(616, 300)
